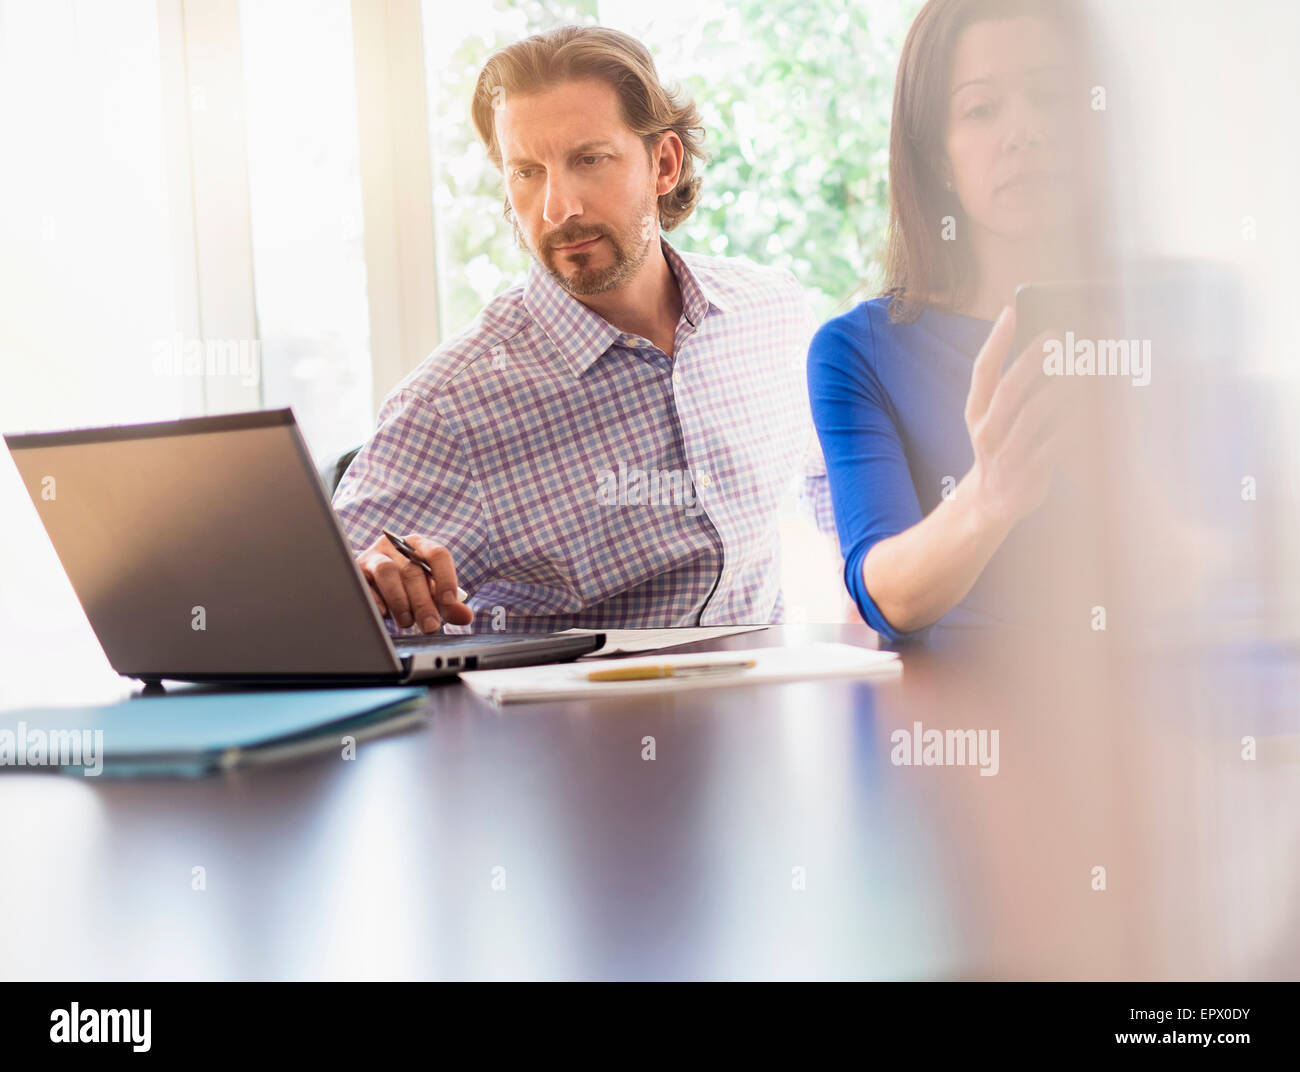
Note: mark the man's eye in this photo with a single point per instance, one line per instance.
(589, 160)
(523, 173)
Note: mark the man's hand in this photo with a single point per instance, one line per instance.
(404, 592)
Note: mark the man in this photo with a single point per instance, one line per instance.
(608, 444)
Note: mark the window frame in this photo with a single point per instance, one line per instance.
(209, 188)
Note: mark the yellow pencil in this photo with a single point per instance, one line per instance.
(645, 673)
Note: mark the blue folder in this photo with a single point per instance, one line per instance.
(195, 734)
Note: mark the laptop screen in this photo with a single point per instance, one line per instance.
(205, 547)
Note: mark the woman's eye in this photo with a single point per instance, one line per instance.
(524, 173)
(980, 111)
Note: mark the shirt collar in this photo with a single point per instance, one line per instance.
(580, 335)
(697, 294)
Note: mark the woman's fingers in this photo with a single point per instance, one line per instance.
(1034, 448)
(987, 370)
(1023, 382)
(1035, 419)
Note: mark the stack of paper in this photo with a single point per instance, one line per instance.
(568, 681)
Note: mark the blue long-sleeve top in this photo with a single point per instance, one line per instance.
(888, 401)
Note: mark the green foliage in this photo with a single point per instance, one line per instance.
(795, 98)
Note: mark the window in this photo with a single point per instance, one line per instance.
(86, 223)
(309, 265)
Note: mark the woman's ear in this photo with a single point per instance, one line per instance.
(944, 171)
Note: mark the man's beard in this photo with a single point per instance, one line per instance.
(629, 249)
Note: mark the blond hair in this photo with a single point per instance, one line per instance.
(574, 52)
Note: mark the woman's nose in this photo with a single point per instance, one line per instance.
(1027, 130)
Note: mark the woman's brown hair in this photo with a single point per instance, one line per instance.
(921, 268)
(574, 52)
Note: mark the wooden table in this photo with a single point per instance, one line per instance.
(771, 836)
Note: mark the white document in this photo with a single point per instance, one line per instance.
(567, 681)
(634, 640)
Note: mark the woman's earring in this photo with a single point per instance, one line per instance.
(947, 185)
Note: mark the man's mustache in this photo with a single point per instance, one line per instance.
(570, 238)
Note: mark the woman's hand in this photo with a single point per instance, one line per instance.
(1018, 424)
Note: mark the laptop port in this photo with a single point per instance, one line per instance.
(454, 661)
(471, 661)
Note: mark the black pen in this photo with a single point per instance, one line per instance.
(410, 552)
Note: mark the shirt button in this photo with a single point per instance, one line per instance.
(706, 481)
(726, 575)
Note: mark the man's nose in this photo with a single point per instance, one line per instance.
(561, 204)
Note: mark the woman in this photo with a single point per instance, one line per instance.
(933, 460)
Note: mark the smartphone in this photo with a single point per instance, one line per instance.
(1087, 310)
(1103, 327)
(1174, 306)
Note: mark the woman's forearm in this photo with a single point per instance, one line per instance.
(916, 577)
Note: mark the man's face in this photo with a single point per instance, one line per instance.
(582, 187)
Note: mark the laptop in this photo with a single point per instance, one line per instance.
(207, 550)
